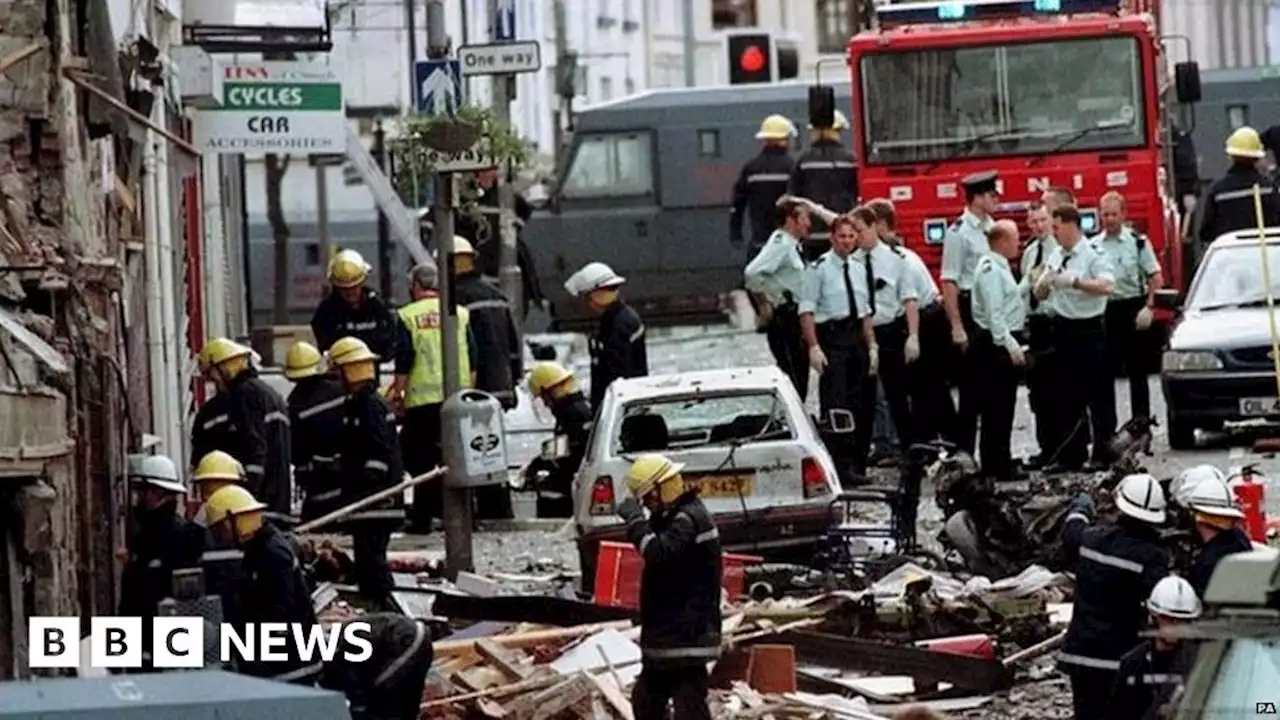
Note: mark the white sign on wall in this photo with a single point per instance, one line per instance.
(275, 107)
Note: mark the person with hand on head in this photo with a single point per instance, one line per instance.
(998, 317)
(1156, 668)
(679, 589)
(1117, 566)
(618, 347)
(964, 244)
(775, 276)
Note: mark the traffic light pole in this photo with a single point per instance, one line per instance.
(690, 46)
(456, 504)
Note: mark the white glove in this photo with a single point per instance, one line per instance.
(817, 359)
(1017, 356)
(873, 360)
(1064, 280)
(1143, 321)
(912, 348)
(959, 337)
(1035, 274)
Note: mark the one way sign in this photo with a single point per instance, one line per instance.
(438, 84)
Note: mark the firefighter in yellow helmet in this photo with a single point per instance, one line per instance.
(221, 560)
(500, 359)
(1228, 205)
(270, 587)
(419, 385)
(353, 310)
(257, 425)
(369, 461)
(826, 174)
(679, 589)
(210, 427)
(552, 477)
(760, 183)
(315, 428)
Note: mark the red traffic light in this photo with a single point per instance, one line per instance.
(752, 59)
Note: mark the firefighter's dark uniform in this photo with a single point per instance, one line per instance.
(1226, 542)
(1116, 568)
(273, 589)
(761, 182)
(1148, 681)
(1228, 206)
(483, 228)
(373, 322)
(164, 542)
(387, 685)
(209, 428)
(573, 416)
(827, 174)
(679, 608)
(617, 350)
(258, 436)
(315, 425)
(370, 462)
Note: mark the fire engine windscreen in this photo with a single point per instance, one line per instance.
(1018, 99)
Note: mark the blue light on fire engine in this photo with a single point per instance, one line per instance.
(1048, 6)
(951, 11)
(968, 10)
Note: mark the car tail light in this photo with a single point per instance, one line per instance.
(814, 479)
(602, 496)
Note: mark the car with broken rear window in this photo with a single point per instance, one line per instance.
(1218, 366)
(746, 441)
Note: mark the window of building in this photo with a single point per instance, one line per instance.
(709, 143)
(631, 86)
(733, 14)
(1237, 116)
(606, 88)
(835, 25)
(611, 165)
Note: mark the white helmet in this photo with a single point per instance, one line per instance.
(156, 470)
(593, 276)
(1140, 497)
(1213, 497)
(1185, 482)
(1174, 597)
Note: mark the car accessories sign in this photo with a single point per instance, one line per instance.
(275, 107)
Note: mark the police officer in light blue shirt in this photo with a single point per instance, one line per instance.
(964, 244)
(999, 315)
(775, 275)
(1129, 308)
(1077, 281)
(1034, 256)
(835, 315)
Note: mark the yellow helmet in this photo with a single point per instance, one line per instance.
(238, 504)
(546, 375)
(776, 127)
(348, 269)
(350, 350)
(218, 465)
(649, 471)
(220, 350)
(302, 361)
(1245, 143)
(462, 246)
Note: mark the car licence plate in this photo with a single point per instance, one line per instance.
(1259, 406)
(720, 486)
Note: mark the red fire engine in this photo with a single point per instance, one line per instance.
(1047, 92)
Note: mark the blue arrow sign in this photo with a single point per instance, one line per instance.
(438, 86)
(504, 24)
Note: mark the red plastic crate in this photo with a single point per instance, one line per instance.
(619, 566)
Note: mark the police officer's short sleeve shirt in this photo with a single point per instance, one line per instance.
(893, 283)
(926, 288)
(1086, 262)
(964, 244)
(777, 270)
(1132, 260)
(824, 293)
(997, 300)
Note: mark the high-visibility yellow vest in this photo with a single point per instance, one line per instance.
(426, 379)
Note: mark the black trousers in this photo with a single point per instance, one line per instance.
(369, 540)
(1040, 379)
(783, 334)
(1126, 348)
(933, 410)
(892, 376)
(420, 452)
(1083, 405)
(1091, 691)
(968, 380)
(843, 386)
(684, 688)
(1000, 378)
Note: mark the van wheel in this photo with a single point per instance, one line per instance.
(1182, 434)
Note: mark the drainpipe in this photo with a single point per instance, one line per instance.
(168, 290)
(152, 280)
(215, 247)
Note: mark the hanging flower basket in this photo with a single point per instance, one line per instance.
(422, 138)
(450, 135)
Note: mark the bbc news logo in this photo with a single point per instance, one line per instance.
(179, 642)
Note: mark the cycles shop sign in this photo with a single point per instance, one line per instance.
(276, 107)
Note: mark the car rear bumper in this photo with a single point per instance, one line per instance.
(1215, 396)
(777, 532)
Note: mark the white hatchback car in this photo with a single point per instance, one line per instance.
(745, 439)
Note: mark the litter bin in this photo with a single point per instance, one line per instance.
(473, 442)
